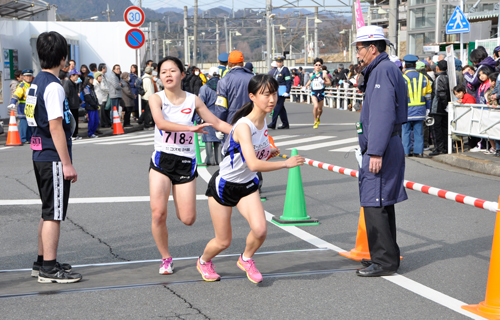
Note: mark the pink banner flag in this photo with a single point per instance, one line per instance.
(360, 22)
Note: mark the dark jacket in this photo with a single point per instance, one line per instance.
(208, 94)
(195, 84)
(440, 94)
(232, 92)
(91, 103)
(133, 79)
(473, 80)
(301, 79)
(283, 77)
(71, 91)
(385, 109)
(127, 95)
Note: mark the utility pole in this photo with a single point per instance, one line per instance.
(217, 45)
(268, 33)
(305, 42)
(316, 49)
(225, 27)
(156, 43)
(186, 40)
(195, 33)
(439, 19)
(168, 24)
(393, 23)
(109, 13)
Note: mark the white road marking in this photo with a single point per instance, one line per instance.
(284, 137)
(114, 138)
(324, 124)
(130, 140)
(303, 140)
(3, 148)
(345, 149)
(149, 143)
(325, 144)
(24, 202)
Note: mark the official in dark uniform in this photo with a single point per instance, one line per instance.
(282, 75)
(382, 166)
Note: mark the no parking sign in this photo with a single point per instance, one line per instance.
(134, 38)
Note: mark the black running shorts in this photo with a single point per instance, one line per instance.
(53, 189)
(178, 169)
(229, 193)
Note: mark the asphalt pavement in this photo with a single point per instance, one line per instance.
(445, 245)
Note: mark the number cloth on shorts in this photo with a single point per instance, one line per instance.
(233, 167)
(180, 143)
(179, 169)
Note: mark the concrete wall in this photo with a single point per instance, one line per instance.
(98, 42)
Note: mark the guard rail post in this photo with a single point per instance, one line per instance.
(450, 117)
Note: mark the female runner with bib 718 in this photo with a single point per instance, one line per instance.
(236, 183)
(173, 163)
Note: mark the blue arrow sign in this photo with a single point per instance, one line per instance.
(458, 23)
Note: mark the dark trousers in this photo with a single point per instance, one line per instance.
(440, 132)
(93, 116)
(213, 153)
(74, 112)
(280, 111)
(126, 117)
(146, 117)
(104, 118)
(381, 232)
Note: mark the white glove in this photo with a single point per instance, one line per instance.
(11, 106)
(286, 94)
(427, 112)
(303, 89)
(219, 135)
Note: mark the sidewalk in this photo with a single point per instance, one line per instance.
(474, 161)
(82, 130)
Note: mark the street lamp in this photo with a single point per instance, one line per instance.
(232, 32)
(91, 18)
(350, 39)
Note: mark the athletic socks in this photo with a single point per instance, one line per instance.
(202, 262)
(40, 260)
(49, 264)
(245, 258)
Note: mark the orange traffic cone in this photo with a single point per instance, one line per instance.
(13, 138)
(490, 307)
(117, 125)
(361, 250)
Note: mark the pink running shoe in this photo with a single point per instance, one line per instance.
(167, 266)
(249, 267)
(207, 271)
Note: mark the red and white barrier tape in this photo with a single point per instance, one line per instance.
(460, 198)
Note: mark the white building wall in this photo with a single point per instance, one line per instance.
(98, 42)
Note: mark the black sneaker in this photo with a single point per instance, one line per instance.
(58, 275)
(36, 268)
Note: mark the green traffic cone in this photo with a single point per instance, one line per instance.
(294, 211)
(200, 141)
(198, 153)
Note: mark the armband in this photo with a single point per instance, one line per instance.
(221, 101)
(287, 78)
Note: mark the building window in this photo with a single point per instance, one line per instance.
(422, 18)
(418, 40)
(418, 2)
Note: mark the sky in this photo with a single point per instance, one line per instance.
(238, 4)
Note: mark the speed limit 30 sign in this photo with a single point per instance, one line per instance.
(134, 16)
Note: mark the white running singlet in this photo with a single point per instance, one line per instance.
(180, 143)
(234, 168)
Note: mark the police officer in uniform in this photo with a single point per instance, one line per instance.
(382, 163)
(419, 104)
(223, 60)
(282, 75)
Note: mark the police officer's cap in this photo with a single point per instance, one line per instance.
(279, 58)
(410, 58)
(223, 57)
(27, 72)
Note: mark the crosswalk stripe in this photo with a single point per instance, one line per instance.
(345, 149)
(284, 137)
(303, 140)
(113, 138)
(325, 144)
(130, 140)
(149, 143)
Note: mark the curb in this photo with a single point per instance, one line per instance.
(470, 163)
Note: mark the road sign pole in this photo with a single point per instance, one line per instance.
(139, 98)
(462, 56)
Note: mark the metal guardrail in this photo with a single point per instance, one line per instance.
(338, 98)
(476, 120)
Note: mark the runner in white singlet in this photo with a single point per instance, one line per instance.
(236, 184)
(173, 163)
(319, 80)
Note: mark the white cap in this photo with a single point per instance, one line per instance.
(394, 58)
(370, 33)
(274, 64)
(213, 70)
(435, 58)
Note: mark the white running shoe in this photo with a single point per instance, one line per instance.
(94, 136)
(476, 149)
(167, 266)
